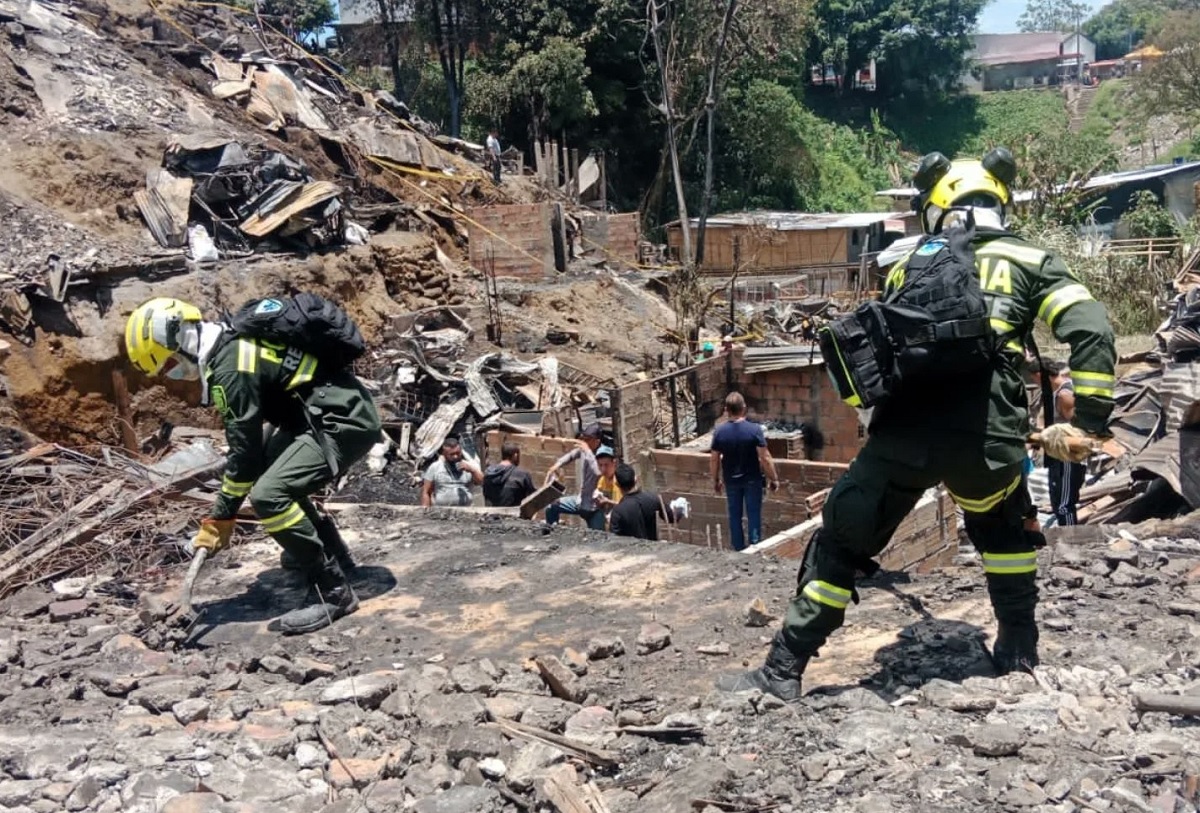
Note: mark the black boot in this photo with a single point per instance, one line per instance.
(779, 675)
(333, 598)
(333, 544)
(1015, 648)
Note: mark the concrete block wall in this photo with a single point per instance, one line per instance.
(538, 454)
(805, 395)
(525, 226)
(633, 417)
(616, 235)
(926, 539)
(686, 474)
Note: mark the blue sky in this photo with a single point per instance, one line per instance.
(1000, 16)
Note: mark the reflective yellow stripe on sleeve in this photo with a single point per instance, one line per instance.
(1010, 563)
(1058, 301)
(283, 520)
(1004, 328)
(828, 594)
(304, 373)
(247, 356)
(1024, 255)
(1097, 384)
(234, 488)
(985, 504)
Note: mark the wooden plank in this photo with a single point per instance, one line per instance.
(596, 756)
(1182, 705)
(559, 788)
(26, 546)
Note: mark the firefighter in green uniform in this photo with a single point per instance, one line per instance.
(323, 420)
(968, 433)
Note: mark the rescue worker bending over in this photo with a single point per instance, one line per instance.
(966, 432)
(324, 420)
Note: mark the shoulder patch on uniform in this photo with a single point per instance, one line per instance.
(932, 247)
(218, 398)
(268, 306)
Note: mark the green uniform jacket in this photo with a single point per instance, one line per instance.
(252, 382)
(1021, 283)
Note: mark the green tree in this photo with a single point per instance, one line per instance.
(301, 16)
(1171, 84)
(1052, 15)
(919, 45)
(1122, 25)
(452, 28)
(1147, 218)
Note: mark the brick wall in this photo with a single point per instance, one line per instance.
(525, 226)
(926, 539)
(686, 474)
(617, 235)
(805, 395)
(538, 453)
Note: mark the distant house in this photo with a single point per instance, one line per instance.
(1012, 61)
(357, 19)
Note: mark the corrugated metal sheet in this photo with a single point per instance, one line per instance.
(282, 200)
(767, 359)
(1179, 390)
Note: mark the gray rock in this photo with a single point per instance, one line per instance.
(609, 646)
(533, 758)
(69, 610)
(189, 711)
(367, 691)
(460, 799)
(946, 695)
(549, 713)
(16, 792)
(757, 614)
(310, 755)
(450, 711)
(470, 677)
(591, 725)
(995, 740)
(720, 649)
(161, 694)
(695, 781)
(1126, 575)
(493, 768)
(1067, 577)
(815, 767)
(283, 667)
(475, 743)
(398, 705)
(1121, 551)
(653, 637)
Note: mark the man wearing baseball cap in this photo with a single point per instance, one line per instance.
(584, 505)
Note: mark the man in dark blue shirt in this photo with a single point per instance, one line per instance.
(740, 457)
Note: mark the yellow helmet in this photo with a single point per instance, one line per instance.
(152, 332)
(943, 185)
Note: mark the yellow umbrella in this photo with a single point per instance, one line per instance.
(1145, 52)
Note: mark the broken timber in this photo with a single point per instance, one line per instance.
(596, 756)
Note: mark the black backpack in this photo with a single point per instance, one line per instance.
(307, 322)
(934, 325)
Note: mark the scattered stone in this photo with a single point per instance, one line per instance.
(367, 691)
(18, 792)
(549, 713)
(492, 768)
(356, 773)
(450, 711)
(714, 649)
(946, 695)
(533, 758)
(398, 705)
(995, 740)
(61, 611)
(1121, 551)
(189, 711)
(1067, 577)
(74, 588)
(653, 637)
(607, 647)
(576, 661)
(310, 755)
(1126, 575)
(757, 614)
(276, 665)
(474, 742)
(471, 678)
(562, 681)
(161, 694)
(459, 799)
(591, 725)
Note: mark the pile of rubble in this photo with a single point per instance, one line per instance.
(446, 694)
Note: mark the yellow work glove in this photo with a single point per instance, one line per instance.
(1068, 443)
(214, 535)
